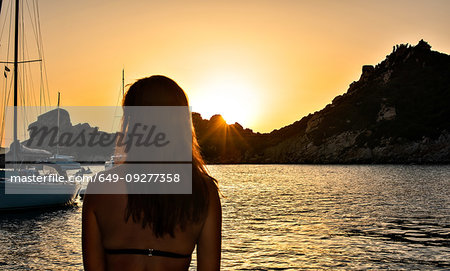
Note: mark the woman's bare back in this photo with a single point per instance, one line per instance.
(116, 234)
(107, 224)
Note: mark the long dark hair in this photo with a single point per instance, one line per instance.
(164, 212)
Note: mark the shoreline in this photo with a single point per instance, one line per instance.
(443, 163)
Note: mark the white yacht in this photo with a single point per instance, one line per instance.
(25, 162)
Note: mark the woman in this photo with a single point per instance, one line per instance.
(149, 231)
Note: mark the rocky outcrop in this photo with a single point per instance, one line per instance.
(397, 112)
(72, 138)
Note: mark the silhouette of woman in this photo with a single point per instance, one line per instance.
(154, 231)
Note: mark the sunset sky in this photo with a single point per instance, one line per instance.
(264, 64)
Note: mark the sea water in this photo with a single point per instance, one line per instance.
(285, 217)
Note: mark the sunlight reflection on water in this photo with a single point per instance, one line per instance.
(290, 217)
(286, 217)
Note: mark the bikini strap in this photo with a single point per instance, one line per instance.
(149, 252)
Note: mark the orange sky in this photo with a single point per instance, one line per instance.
(262, 63)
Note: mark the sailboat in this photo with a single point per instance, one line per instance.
(25, 195)
(66, 162)
(117, 158)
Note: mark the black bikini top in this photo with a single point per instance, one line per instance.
(148, 252)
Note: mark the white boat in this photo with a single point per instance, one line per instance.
(24, 195)
(66, 162)
(37, 195)
(115, 159)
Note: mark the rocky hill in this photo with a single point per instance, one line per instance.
(68, 132)
(397, 112)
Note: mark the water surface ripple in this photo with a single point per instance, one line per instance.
(286, 217)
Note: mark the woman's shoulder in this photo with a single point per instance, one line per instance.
(212, 187)
(210, 182)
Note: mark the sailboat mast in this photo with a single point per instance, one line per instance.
(57, 145)
(16, 56)
(123, 82)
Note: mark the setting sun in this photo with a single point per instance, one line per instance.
(230, 95)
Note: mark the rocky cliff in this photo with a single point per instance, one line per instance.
(73, 138)
(397, 112)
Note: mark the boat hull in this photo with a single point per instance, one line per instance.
(60, 194)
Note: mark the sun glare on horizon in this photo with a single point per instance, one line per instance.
(229, 95)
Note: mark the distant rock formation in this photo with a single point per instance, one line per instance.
(220, 142)
(397, 112)
(68, 132)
